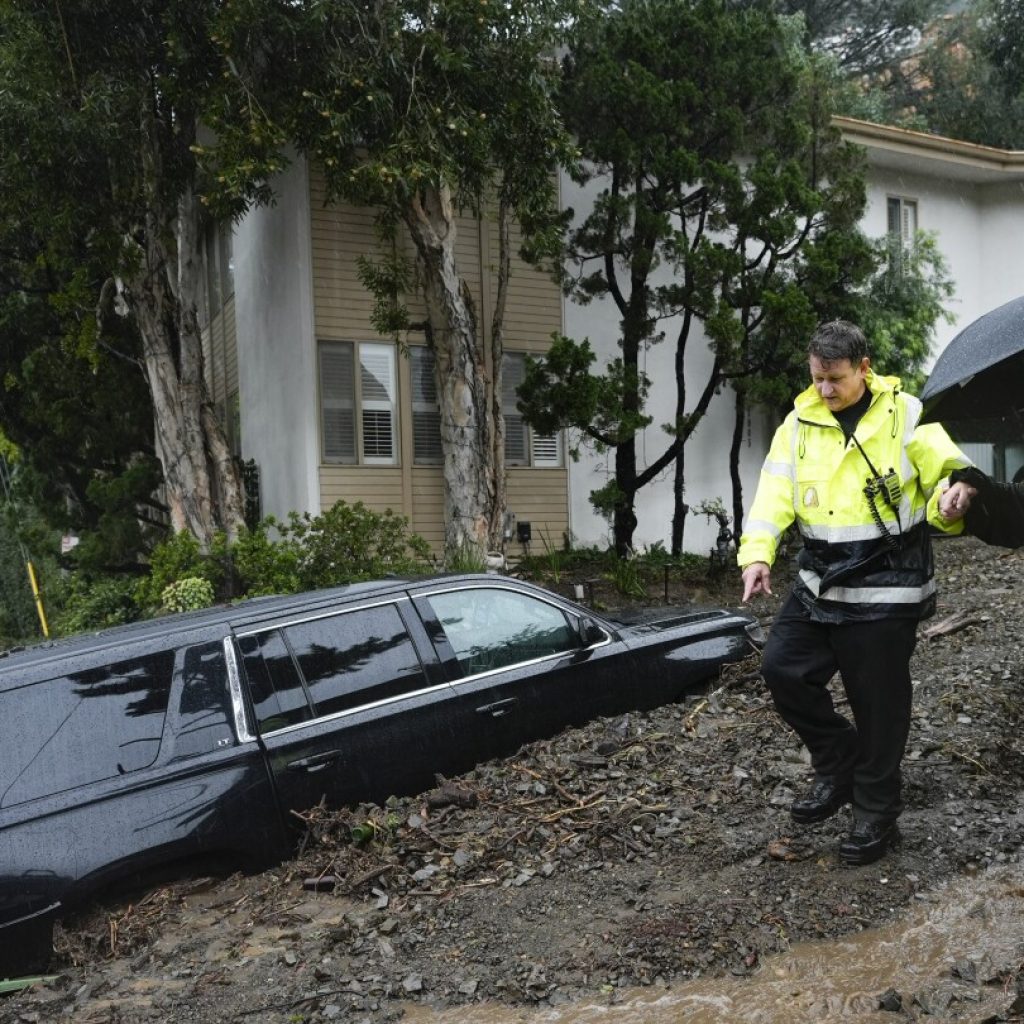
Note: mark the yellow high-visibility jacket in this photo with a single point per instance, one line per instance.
(856, 563)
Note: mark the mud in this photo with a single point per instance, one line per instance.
(629, 857)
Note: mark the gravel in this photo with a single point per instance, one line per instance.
(637, 851)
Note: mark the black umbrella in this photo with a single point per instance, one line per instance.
(976, 387)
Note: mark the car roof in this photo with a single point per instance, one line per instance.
(242, 613)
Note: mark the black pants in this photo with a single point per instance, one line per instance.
(873, 658)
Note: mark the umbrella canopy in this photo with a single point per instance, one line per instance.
(976, 387)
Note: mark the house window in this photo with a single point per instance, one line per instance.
(426, 412)
(523, 446)
(357, 410)
(902, 228)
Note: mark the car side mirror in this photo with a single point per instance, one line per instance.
(591, 633)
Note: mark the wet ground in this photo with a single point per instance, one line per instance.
(641, 869)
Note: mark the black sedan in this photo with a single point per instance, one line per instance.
(191, 739)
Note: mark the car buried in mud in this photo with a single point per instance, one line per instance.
(185, 743)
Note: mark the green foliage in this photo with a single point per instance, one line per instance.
(347, 543)
(187, 595)
(465, 558)
(626, 575)
(963, 79)
(96, 603)
(863, 36)
(350, 542)
(901, 306)
(18, 620)
(265, 566)
(720, 181)
(178, 558)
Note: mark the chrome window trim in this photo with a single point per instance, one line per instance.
(337, 610)
(543, 598)
(394, 600)
(349, 712)
(235, 687)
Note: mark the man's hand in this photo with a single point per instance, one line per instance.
(956, 500)
(757, 579)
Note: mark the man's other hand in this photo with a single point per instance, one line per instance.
(757, 579)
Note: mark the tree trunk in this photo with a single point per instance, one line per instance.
(734, 463)
(496, 526)
(679, 506)
(163, 293)
(461, 374)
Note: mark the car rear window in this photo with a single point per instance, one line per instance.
(83, 727)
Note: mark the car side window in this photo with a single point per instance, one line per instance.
(204, 710)
(356, 658)
(87, 726)
(278, 695)
(491, 628)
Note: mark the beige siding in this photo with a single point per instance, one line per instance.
(340, 234)
(377, 487)
(220, 355)
(534, 306)
(538, 496)
(427, 517)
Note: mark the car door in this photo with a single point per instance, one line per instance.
(521, 667)
(349, 706)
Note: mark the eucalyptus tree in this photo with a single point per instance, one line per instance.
(99, 110)
(419, 109)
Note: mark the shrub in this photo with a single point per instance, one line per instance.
(350, 542)
(187, 595)
(178, 558)
(96, 603)
(263, 566)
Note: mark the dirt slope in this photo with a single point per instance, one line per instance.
(636, 851)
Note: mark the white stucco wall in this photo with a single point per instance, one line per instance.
(707, 452)
(1002, 227)
(978, 226)
(953, 211)
(276, 346)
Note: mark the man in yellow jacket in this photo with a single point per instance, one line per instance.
(852, 467)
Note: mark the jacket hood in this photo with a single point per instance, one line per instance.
(809, 401)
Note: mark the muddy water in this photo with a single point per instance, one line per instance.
(979, 919)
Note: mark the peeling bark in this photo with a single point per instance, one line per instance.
(463, 386)
(203, 489)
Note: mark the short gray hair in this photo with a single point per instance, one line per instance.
(838, 339)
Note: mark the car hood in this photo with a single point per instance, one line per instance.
(693, 619)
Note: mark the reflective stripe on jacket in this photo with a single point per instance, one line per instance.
(812, 476)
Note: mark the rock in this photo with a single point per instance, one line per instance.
(890, 1001)
(412, 983)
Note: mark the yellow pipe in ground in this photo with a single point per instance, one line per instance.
(39, 598)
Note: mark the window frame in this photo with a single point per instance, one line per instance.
(360, 405)
(902, 209)
(534, 443)
(420, 404)
(429, 613)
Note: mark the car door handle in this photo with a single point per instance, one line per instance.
(498, 708)
(316, 763)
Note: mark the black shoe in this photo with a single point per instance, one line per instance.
(868, 841)
(824, 798)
